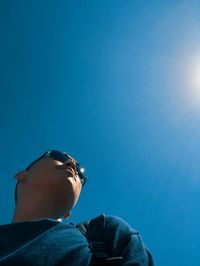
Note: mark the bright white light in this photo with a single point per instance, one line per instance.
(82, 170)
(191, 80)
(196, 77)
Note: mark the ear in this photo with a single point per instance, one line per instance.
(21, 175)
(66, 216)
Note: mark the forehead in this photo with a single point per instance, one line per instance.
(53, 157)
(36, 160)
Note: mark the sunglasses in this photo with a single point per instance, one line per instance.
(63, 157)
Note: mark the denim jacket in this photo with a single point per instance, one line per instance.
(48, 242)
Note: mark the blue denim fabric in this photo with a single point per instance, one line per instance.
(44, 242)
(48, 242)
(123, 240)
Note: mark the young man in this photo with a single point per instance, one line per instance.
(46, 191)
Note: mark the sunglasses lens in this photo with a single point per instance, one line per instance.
(59, 156)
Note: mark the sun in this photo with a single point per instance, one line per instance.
(191, 80)
(196, 76)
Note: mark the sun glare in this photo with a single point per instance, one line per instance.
(191, 77)
(196, 77)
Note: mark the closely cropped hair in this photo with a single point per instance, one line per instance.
(16, 192)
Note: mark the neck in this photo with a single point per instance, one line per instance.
(23, 215)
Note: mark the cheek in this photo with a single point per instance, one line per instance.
(64, 192)
(72, 192)
(77, 193)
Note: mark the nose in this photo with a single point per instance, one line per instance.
(71, 163)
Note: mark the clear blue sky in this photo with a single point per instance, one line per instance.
(115, 84)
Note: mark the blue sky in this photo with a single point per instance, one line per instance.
(115, 84)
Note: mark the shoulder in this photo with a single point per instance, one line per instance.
(120, 232)
(126, 240)
(112, 226)
(118, 223)
(120, 237)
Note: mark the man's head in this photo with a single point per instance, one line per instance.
(50, 185)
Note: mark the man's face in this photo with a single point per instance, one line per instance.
(52, 183)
